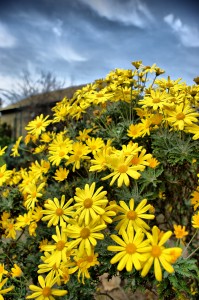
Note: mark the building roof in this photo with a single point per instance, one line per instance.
(41, 99)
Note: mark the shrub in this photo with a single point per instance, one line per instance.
(112, 188)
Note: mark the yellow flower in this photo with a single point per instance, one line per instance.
(133, 217)
(155, 100)
(10, 230)
(158, 254)
(195, 198)
(45, 292)
(134, 130)
(2, 271)
(37, 213)
(85, 235)
(2, 150)
(183, 115)
(83, 135)
(46, 137)
(57, 212)
(32, 228)
(5, 291)
(16, 147)
(38, 125)
(33, 192)
(4, 175)
(153, 162)
(195, 220)
(39, 169)
(141, 158)
(59, 149)
(23, 220)
(95, 144)
(61, 174)
(59, 250)
(83, 263)
(122, 169)
(131, 250)
(179, 231)
(79, 152)
(16, 271)
(89, 203)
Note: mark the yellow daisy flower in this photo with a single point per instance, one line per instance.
(135, 130)
(85, 235)
(95, 144)
(122, 169)
(61, 174)
(38, 125)
(16, 271)
(79, 152)
(89, 203)
(131, 250)
(59, 149)
(183, 115)
(155, 100)
(158, 254)
(84, 135)
(4, 174)
(195, 220)
(57, 212)
(179, 231)
(133, 217)
(59, 250)
(16, 147)
(195, 198)
(45, 292)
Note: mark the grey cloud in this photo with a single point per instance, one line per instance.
(188, 35)
(7, 40)
(131, 12)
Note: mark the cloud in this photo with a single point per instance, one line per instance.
(188, 35)
(130, 12)
(67, 53)
(53, 41)
(6, 39)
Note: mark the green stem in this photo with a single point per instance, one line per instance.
(192, 253)
(189, 243)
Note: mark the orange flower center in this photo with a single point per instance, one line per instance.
(135, 160)
(39, 124)
(122, 169)
(88, 203)
(34, 194)
(156, 251)
(1, 174)
(60, 245)
(85, 232)
(54, 267)
(131, 248)
(61, 153)
(46, 291)
(156, 100)
(131, 215)
(59, 211)
(89, 258)
(180, 116)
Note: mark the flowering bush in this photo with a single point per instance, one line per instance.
(109, 185)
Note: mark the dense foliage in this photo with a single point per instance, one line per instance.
(108, 184)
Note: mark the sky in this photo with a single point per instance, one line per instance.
(83, 40)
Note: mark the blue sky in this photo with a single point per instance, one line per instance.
(82, 40)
